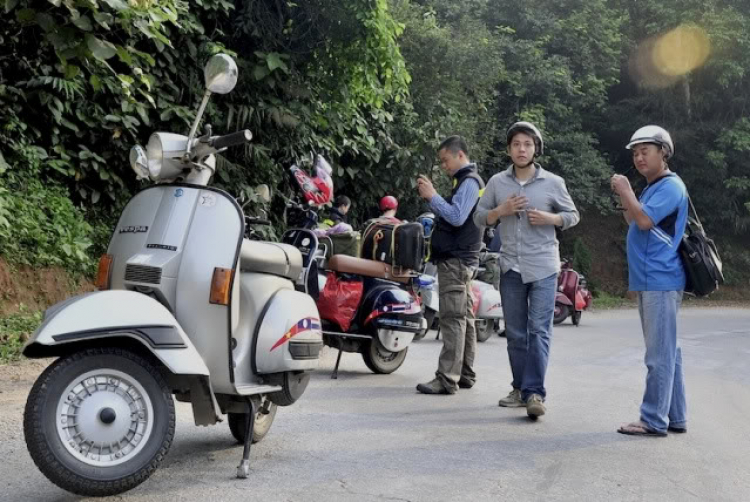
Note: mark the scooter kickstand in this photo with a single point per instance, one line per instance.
(335, 374)
(243, 470)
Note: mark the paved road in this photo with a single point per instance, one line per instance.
(370, 437)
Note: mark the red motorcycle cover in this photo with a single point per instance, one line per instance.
(339, 300)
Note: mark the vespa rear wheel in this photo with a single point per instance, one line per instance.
(263, 421)
(561, 313)
(99, 422)
(380, 360)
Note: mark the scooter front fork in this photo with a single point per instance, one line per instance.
(243, 470)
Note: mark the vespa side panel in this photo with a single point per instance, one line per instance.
(387, 306)
(119, 313)
(214, 239)
(290, 336)
(255, 292)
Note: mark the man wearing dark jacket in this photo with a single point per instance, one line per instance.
(455, 243)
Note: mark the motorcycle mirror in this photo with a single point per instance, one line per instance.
(220, 74)
(264, 192)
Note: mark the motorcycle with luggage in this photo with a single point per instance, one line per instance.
(187, 308)
(368, 304)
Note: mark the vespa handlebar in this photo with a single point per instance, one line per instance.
(257, 221)
(235, 138)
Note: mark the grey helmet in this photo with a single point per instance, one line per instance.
(531, 130)
(653, 134)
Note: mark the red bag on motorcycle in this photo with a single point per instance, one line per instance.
(339, 300)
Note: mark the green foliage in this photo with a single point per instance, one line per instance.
(14, 331)
(582, 258)
(374, 85)
(606, 301)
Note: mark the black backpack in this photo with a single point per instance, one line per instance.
(699, 258)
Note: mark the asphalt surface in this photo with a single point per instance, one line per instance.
(371, 437)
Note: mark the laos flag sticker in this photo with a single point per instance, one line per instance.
(303, 325)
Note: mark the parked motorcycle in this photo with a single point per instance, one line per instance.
(572, 297)
(187, 307)
(367, 306)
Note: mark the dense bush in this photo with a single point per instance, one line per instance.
(372, 84)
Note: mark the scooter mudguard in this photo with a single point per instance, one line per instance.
(289, 335)
(116, 314)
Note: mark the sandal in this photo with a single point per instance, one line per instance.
(640, 429)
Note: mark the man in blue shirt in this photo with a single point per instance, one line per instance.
(455, 245)
(656, 226)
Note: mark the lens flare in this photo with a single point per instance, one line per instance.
(661, 61)
(681, 50)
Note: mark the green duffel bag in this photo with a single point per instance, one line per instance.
(348, 243)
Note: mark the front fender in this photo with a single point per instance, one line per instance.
(113, 314)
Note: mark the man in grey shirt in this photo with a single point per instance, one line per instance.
(529, 202)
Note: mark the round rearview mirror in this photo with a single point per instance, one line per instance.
(264, 193)
(220, 74)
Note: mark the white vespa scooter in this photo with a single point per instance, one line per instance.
(188, 307)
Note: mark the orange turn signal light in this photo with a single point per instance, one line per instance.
(220, 285)
(104, 273)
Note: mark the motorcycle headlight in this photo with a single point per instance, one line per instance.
(155, 154)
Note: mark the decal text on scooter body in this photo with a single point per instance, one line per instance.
(306, 324)
(396, 308)
(161, 246)
(134, 229)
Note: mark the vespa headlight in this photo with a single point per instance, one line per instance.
(139, 162)
(155, 154)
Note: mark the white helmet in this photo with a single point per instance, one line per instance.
(653, 134)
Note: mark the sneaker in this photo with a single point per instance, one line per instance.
(535, 406)
(434, 386)
(513, 400)
(465, 383)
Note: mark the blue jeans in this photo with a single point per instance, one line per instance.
(528, 310)
(664, 399)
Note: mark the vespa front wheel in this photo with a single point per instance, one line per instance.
(99, 422)
(380, 360)
(263, 421)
